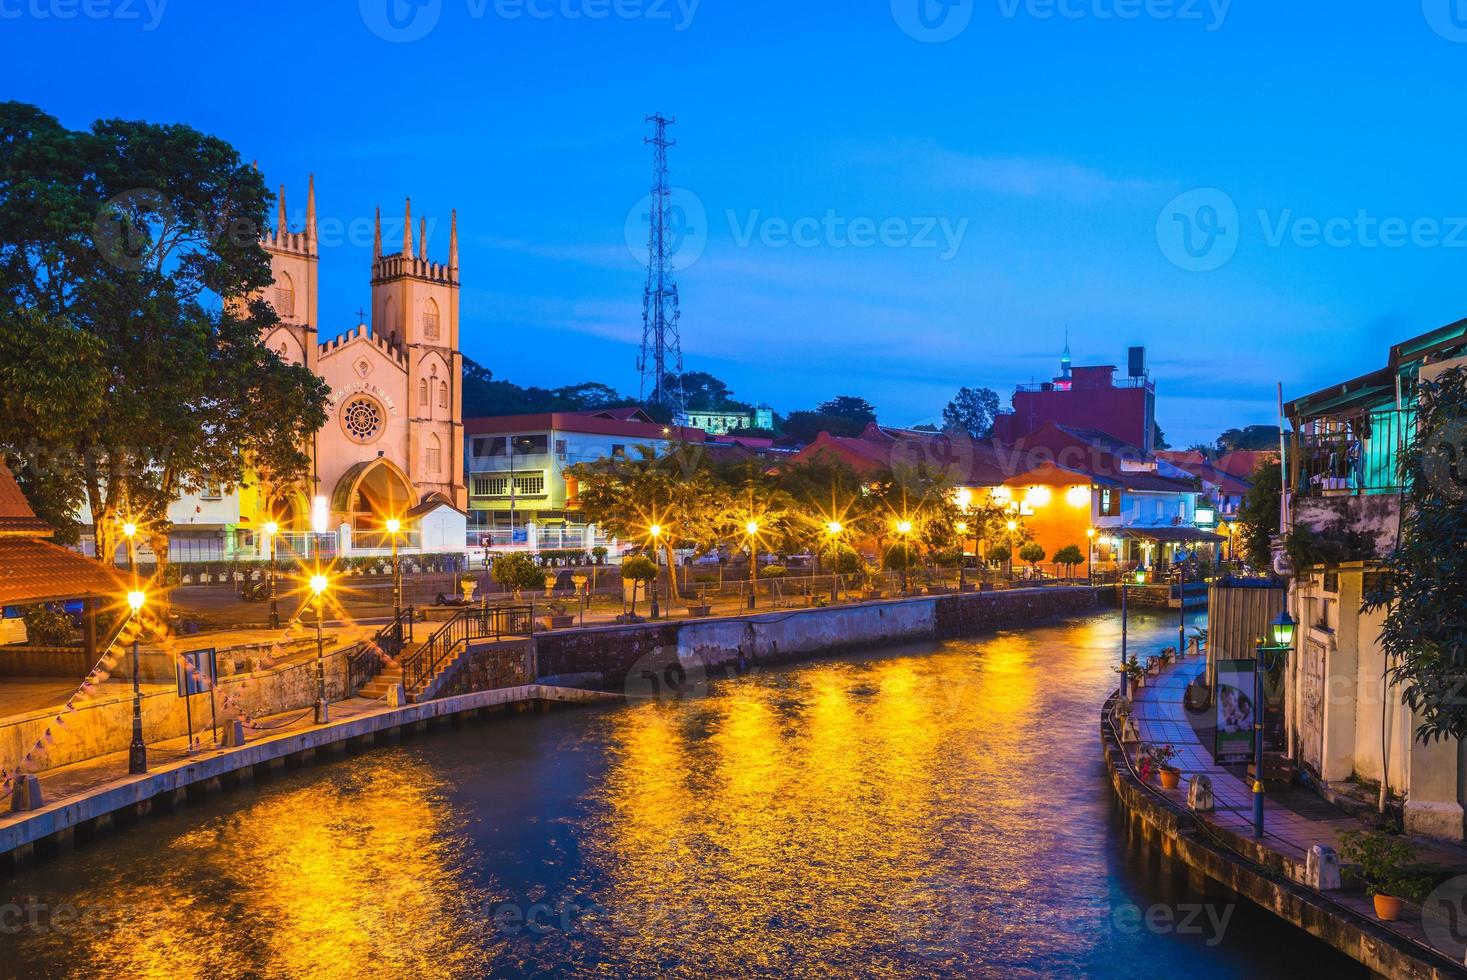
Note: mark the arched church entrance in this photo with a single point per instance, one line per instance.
(370, 493)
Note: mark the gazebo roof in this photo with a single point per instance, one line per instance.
(34, 571)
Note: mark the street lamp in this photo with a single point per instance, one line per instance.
(904, 528)
(270, 530)
(1090, 554)
(834, 529)
(752, 530)
(319, 585)
(393, 527)
(962, 529)
(656, 532)
(1281, 631)
(137, 751)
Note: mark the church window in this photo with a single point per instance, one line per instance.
(285, 296)
(433, 462)
(362, 419)
(430, 321)
(422, 391)
(443, 394)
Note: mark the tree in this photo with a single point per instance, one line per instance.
(705, 392)
(857, 411)
(1423, 585)
(639, 570)
(1032, 552)
(1256, 438)
(144, 239)
(1258, 516)
(1158, 438)
(803, 427)
(973, 411)
(485, 396)
(1069, 556)
(516, 572)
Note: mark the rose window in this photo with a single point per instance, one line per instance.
(362, 419)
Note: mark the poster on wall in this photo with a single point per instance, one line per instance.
(1235, 712)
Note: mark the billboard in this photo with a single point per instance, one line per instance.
(1236, 711)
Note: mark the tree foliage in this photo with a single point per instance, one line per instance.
(1257, 438)
(131, 248)
(485, 396)
(855, 410)
(1069, 556)
(972, 410)
(1258, 516)
(516, 572)
(1423, 583)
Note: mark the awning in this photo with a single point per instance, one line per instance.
(1168, 535)
(34, 571)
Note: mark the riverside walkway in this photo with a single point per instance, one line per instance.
(1294, 820)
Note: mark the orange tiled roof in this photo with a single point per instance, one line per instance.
(39, 571)
(16, 516)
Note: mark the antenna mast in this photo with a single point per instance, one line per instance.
(662, 352)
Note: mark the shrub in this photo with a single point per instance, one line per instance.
(47, 627)
(899, 556)
(639, 568)
(1381, 862)
(517, 572)
(1032, 552)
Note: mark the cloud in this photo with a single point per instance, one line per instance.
(1030, 177)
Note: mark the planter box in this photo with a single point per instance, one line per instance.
(967, 587)
(985, 587)
(698, 612)
(872, 594)
(560, 622)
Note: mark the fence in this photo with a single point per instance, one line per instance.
(1360, 455)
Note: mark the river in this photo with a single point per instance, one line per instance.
(930, 811)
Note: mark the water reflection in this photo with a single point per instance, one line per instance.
(937, 811)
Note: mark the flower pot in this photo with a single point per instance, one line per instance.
(560, 622)
(1169, 778)
(1387, 908)
(699, 611)
(468, 590)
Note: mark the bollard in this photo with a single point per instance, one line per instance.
(234, 735)
(1199, 796)
(396, 697)
(27, 794)
(1322, 869)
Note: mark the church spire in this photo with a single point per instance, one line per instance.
(377, 238)
(311, 209)
(407, 230)
(280, 226)
(423, 239)
(453, 242)
(1065, 361)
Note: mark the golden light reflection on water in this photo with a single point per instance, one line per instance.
(336, 879)
(836, 813)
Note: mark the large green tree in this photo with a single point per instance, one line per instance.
(1423, 585)
(133, 247)
(972, 410)
(1258, 516)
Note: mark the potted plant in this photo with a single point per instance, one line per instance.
(1133, 671)
(1381, 862)
(1158, 759)
(467, 584)
(559, 617)
(638, 570)
(551, 581)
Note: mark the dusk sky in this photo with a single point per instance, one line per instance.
(1022, 177)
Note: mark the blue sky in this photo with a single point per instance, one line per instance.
(1258, 192)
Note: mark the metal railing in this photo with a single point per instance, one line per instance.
(1360, 456)
(378, 652)
(476, 623)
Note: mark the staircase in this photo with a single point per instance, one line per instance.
(424, 668)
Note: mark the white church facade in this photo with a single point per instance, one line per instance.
(393, 442)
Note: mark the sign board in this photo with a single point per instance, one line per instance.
(203, 675)
(521, 535)
(1236, 711)
(1206, 517)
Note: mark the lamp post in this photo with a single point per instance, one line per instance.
(752, 530)
(904, 528)
(270, 530)
(1125, 628)
(1281, 631)
(1090, 555)
(319, 584)
(1013, 527)
(656, 531)
(834, 530)
(393, 527)
(962, 529)
(137, 750)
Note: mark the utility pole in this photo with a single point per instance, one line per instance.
(662, 351)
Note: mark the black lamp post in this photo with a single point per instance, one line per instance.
(319, 584)
(394, 526)
(904, 528)
(137, 750)
(656, 531)
(270, 530)
(1281, 632)
(834, 529)
(1125, 628)
(752, 529)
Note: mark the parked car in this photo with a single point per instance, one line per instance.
(12, 627)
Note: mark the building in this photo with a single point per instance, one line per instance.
(519, 493)
(393, 442)
(1222, 490)
(1087, 398)
(717, 422)
(1346, 722)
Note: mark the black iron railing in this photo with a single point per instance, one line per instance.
(379, 651)
(1360, 455)
(476, 623)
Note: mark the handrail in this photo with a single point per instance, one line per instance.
(475, 623)
(386, 646)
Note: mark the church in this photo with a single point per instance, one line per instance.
(392, 445)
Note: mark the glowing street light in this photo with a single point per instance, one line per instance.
(137, 750)
(271, 529)
(752, 530)
(394, 526)
(655, 531)
(319, 585)
(904, 528)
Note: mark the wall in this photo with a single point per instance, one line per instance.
(605, 657)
